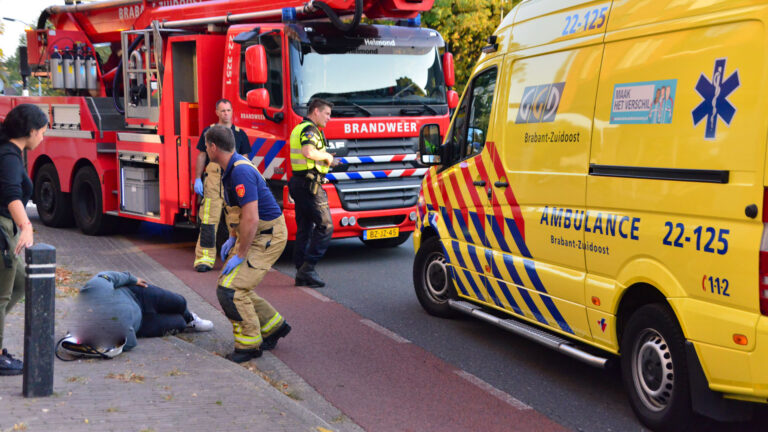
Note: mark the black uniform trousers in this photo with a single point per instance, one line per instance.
(314, 226)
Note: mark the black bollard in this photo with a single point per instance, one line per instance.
(39, 315)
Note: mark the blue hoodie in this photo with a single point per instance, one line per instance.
(105, 295)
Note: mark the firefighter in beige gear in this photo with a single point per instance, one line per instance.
(253, 246)
(208, 186)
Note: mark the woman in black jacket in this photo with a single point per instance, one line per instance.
(22, 129)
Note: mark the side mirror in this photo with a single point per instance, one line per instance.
(448, 70)
(429, 144)
(256, 64)
(453, 99)
(258, 98)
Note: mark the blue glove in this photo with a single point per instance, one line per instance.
(226, 247)
(199, 187)
(232, 264)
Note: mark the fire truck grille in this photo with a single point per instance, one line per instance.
(377, 194)
(359, 152)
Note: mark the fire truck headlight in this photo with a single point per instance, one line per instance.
(412, 216)
(352, 220)
(344, 221)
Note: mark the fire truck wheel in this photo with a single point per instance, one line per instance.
(53, 205)
(654, 369)
(387, 243)
(86, 203)
(432, 280)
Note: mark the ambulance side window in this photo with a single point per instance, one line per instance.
(471, 124)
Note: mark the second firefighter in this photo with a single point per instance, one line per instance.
(253, 247)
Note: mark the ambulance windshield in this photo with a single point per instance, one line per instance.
(375, 67)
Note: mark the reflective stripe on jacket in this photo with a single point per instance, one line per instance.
(298, 161)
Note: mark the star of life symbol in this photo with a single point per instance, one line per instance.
(715, 103)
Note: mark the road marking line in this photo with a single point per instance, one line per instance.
(504, 396)
(315, 294)
(386, 332)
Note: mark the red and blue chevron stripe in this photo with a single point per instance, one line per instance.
(265, 156)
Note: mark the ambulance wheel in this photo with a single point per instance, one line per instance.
(432, 280)
(53, 205)
(387, 243)
(654, 369)
(86, 203)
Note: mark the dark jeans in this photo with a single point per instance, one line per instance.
(163, 312)
(314, 226)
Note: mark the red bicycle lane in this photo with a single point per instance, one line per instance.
(378, 379)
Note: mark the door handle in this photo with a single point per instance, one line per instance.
(500, 184)
(479, 183)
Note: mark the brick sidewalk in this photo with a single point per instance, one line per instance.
(165, 384)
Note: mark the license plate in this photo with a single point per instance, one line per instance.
(381, 233)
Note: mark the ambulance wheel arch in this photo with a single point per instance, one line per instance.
(646, 281)
(634, 298)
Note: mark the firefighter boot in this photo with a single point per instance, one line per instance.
(241, 356)
(307, 276)
(270, 342)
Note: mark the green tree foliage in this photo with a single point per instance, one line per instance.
(466, 25)
(11, 77)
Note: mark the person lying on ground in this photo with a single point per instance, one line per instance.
(115, 306)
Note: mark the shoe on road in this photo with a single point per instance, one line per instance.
(198, 324)
(308, 277)
(10, 365)
(270, 342)
(242, 356)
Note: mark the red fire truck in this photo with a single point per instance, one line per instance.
(142, 78)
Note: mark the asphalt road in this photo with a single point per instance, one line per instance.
(377, 284)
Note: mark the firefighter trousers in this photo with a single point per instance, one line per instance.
(210, 215)
(252, 317)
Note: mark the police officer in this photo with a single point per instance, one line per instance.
(309, 163)
(210, 189)
(23, 128)
(249, 253)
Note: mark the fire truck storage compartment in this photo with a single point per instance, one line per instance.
(140, 185)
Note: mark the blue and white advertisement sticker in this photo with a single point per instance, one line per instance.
(650, 102)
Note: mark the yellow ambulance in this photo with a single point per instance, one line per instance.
(602, 190)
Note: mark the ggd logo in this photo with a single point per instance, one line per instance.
(540, 103)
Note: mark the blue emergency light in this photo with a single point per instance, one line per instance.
(289, 15)
(410, 22)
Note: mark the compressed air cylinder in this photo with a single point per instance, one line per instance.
(57, 72)
(69, 69)
(91, 73)
(80, 79)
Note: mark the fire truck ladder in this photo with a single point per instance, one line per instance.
(142, 75)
